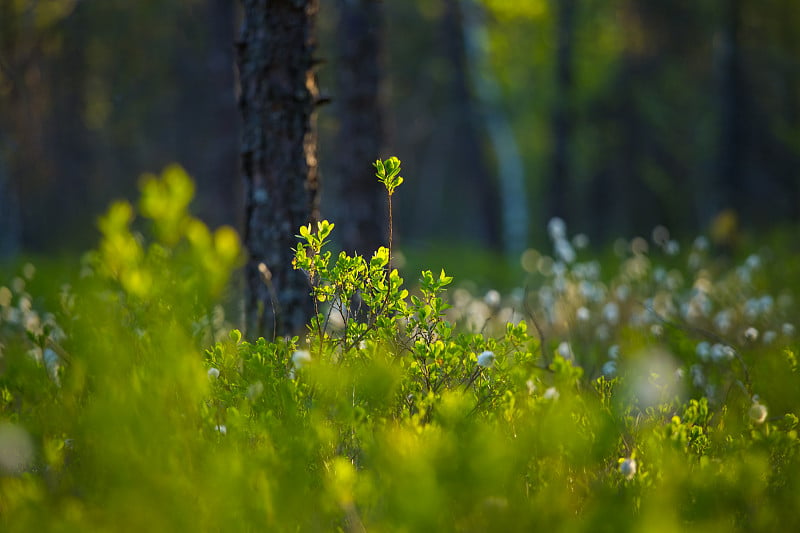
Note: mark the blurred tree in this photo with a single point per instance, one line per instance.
(476, 184)
(511, 198)
(9, 214)
(732, 112)
(361, 217)
(278, 158)
(30, 33)
(93, 93)
(558, 189)
(68, 143)
(674, 110)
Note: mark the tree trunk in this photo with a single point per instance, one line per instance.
(469, 168)
(562, 116)
(362, 223)
(9, 214)
(512, 202)
(278, 157)
(729, 180)
(69, 146)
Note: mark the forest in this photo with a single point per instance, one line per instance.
(399, 265)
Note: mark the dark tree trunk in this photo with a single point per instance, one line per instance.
(278, 157)
(468, 165)
(9, 214)
(10, 228)
(69, 139)
(362, 221)
(558, 188)
(729, 180)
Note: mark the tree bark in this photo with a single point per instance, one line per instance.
(729, 182)
(278, 158)
(362, 225)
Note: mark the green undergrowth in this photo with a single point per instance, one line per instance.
(129, 403)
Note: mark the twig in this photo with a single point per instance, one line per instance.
(532, 316)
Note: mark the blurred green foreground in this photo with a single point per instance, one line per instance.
(132, 406)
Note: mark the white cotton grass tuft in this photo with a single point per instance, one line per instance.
(757, 412)
(613, 351)
(213, 373)
(551, 394)
(698, 378)
(701, 243)
(486, 359)
(721, 352)
(492, 298)
(660, 235)
(751, 334)
(672, 248)
(255, 390)
(580, 241)
(564, 350)
(221, 429)
(300, 358)
(703, 350)
(611, 313)
(564, 250)
(610, 368)
(627, 467)
(557, 228)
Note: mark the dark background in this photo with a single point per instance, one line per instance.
(616, 115)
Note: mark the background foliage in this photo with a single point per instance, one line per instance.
(673, 112)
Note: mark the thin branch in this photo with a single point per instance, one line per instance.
(532, 316)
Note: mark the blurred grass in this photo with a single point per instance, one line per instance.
(481, 268)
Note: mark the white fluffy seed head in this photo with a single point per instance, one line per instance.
(492, 298)
(486, 359)
(610, 368)
(551, 394)
(613, 351)
(557, 228)
(300, 358)
(564, 350)
(213, 373)
(751, 334)
(757, 413)
(627, 467)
